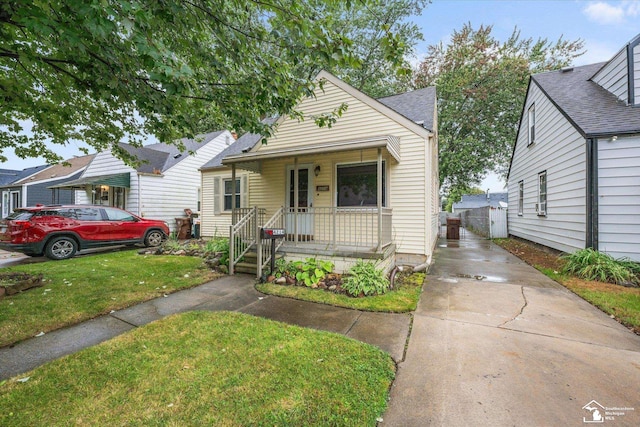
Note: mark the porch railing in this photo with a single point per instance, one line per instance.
(243, 235)
(349, 228)
(334, 227)
(264, 245)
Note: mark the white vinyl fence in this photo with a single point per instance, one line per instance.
(498, 223)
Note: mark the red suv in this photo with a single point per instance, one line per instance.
(59, 231)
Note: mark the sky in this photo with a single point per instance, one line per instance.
(604, 26)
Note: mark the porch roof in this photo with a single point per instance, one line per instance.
(116, 180)
(251, 160)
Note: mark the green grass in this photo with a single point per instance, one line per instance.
(403, 298)
(203, 368)
(85, 287)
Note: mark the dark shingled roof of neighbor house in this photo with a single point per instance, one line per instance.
(593, 110)
(160, 157)
(472, 201)
(416, 105)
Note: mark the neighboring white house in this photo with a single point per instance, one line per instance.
(165, 183)
(473, 201)
(574, 179)
(365, 188)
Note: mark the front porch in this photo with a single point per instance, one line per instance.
(340, 235)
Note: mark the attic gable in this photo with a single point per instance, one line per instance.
(621, 75)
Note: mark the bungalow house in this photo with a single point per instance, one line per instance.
(474, 201)
(574, 179)
(367, 187)
(165, 183)
(15, 195)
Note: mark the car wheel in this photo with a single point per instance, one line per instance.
(154, 238)
(61, 248)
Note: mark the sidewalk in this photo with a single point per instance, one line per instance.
(231, 293)
(495, 342)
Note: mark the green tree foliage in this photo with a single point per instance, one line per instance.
(106, 71)
(481, 84)
(366, 27)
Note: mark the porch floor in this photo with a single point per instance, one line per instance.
(326, 249)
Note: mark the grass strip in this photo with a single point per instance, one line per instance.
(402, 299)
(207, 368)
(82, 288)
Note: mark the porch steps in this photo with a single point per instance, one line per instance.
(249, 263)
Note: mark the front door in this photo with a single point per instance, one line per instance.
(303, 211)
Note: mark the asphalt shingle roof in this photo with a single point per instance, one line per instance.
(592, 109)
(472, 201)
(160, 157)
(245, 142)
(7, 176)
(416, 105)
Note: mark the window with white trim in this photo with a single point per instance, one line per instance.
(357, 184)
(541, 207)
(521, 198)
(531, 123)
(228, 190)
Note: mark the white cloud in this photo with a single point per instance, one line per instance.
(604, 13)
(632, 7)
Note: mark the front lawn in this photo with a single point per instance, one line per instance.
(621, 302)
(204, 368)
(85, 287)
(403, 298)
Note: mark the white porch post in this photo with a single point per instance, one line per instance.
(234, 212)
(379, 196)
(295, 199)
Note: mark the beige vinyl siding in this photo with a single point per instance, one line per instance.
(212, 225)
(636, 74)
(614, 76)
(619, 197)
(409, 180)
(560, 151)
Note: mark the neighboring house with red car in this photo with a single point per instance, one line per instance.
(32, 186)
(166, 182)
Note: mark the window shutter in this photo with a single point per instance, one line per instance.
(216, 195)
(244, 193)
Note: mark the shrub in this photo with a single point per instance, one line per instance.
(171, 244)
(219, 245)
(590, 264)
(365, 278)
(311, 271)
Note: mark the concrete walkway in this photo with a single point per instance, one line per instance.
(496, 343)
(232, 293)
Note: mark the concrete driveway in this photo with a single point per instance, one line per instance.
(496, 343)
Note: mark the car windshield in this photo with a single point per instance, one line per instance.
(20, 215)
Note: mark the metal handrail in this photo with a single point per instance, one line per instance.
(242, 236)
(276, 221)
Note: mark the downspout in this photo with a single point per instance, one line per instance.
(139, 193)
(592, 194)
